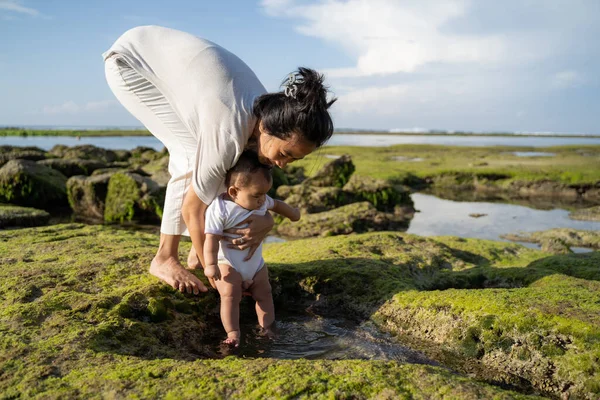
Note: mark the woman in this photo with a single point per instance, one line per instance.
(206, 106)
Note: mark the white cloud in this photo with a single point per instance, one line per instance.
(447, 63)
(387, 36)
(567, 79)
(16, 6)
(70, 107)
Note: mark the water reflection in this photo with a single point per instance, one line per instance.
(439, 217)
(314, 337)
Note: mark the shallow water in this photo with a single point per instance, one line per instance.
(439, 217)
(338, 139)
(315, 337)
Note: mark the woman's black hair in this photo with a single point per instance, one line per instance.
(302, 108)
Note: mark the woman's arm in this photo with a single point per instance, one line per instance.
(252, 236)
(193, 210)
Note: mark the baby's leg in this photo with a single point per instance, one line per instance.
(230, 290)
(261, 292)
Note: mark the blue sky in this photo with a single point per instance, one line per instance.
(475, 65)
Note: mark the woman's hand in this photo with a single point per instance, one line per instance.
(251, 236)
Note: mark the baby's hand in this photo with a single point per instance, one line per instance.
(295, 214)
(212, 272)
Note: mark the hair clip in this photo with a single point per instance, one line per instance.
(290, 87)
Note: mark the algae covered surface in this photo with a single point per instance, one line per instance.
(405, 163)
(81, 318)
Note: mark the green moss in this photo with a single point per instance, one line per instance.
(81, 317)
(26, 183)
(22, 216)
(571, 165)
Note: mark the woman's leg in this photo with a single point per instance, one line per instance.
(143, 100)
(230, 290)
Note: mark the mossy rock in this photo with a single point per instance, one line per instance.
(73, 166)
(586, 214)
(382, 194)
(122, 155)
(58, 150)
(26, 183)
(143, 155)
(352, 218)
(158, 170)
(133, 197)
(15, 216)
(558, 240)
(85, 152)
(334, 173)
(313, 199)
(8, 153)
(81, 317)
(87, 195)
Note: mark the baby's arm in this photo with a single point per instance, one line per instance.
(286, 210)
(211, 256)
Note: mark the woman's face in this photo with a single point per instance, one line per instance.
(281, 152)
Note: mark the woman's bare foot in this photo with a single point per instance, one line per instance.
(247, 284)
(193, 262)
(172, 273)
(233, 339)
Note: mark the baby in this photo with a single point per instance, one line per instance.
(247, 185)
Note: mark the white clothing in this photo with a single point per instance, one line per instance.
(224, 214)
(195, 97)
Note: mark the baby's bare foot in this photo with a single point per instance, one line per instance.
(233, 339)
(193, 262)
(172, 273)
(268, 332)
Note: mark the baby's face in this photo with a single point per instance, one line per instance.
(252, 195)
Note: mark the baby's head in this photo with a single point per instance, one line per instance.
(248, 181)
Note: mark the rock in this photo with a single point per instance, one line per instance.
(555, 246)
(73, 166)
(382, 194)
(143, 155)
(586, 214)
(158, 170)
(477, 215)
(58, 150)
(133, 197)
(87, 195)
(335, 173)
(556, 239)
(15, 216)
(85, 152)
(26, 183)
(122, 155)
(312, 199)
(8, 153)
(352, 218)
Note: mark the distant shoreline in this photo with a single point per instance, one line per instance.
(142, 132)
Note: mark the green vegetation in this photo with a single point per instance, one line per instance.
(81, 133)
(459, 165)
(81, 317)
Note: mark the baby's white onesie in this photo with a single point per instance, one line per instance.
(224, 214)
